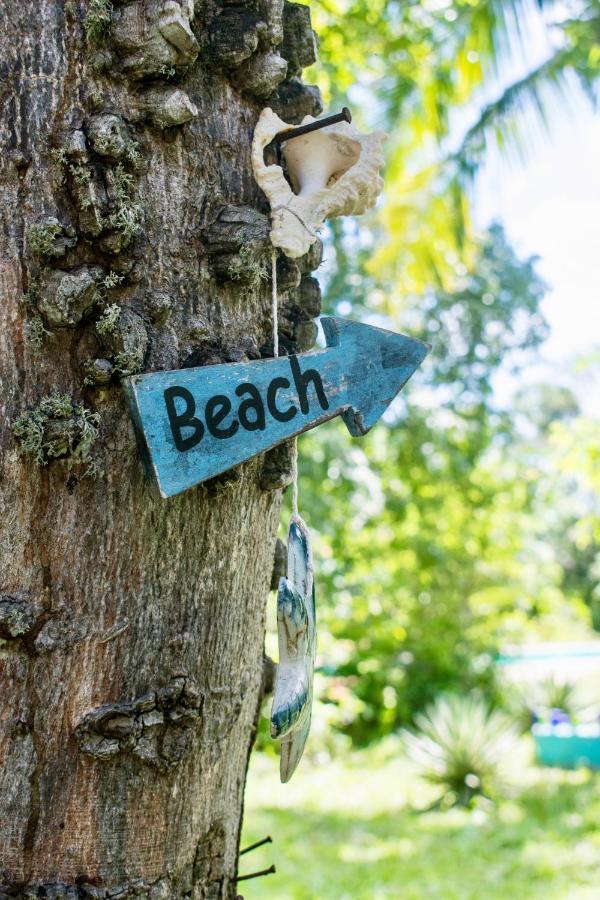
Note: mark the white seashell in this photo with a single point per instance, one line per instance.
(334, 172)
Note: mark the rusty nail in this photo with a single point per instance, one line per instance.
(289, 133)
(270, 871)
(267, 840)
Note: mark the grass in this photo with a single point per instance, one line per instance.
(348, 830)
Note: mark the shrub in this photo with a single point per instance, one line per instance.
(461, 745)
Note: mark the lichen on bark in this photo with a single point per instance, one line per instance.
(57, 427)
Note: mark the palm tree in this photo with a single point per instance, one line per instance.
(424, 67)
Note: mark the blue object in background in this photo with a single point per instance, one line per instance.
(567, 746)
(559, 742)
(559, 717)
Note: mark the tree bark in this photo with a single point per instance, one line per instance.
(131, 628)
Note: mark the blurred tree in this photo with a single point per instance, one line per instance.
(434, 542)
(544, 404)
(424, 556)
(575, 481)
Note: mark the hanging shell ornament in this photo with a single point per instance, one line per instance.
(297, 632)
(333, 172)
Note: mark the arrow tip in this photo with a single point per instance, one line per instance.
(378, 364)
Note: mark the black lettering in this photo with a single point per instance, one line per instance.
(185, 419)
(281, 415)
(254, 403)
(302, 380)
(217, 408)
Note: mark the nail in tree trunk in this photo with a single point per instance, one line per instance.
(131, 628)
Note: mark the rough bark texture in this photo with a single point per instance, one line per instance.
(131, 628)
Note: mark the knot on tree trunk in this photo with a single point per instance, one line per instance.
(293, 100)
(237, 241)
(156, 727)
(278, 467)
(299, 46)
(154, 37)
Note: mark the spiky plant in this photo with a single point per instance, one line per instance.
(530, 700)
(461, 745)
(557, 693)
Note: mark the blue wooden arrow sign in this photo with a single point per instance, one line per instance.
(193, 424)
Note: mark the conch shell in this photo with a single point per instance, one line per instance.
(334, 172)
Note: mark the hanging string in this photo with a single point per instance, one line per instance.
(295, 479)
(274, 302)
(275, 312)
(285, 208)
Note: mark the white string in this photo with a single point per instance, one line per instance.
(295, 479)
(274, 301)
(285, 208)
(275, 312)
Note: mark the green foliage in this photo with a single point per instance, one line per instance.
(427, 544)
(112, 280)
(126, 214)
(251, 267)
(81, 174)
(129, 362)
(551, 693)
(32, 294)
(126, 217)
(491, 316)
(132, 154)
(55, 406)
(98, 19)
(59, 156)
(572, 491)
(29, 430)
(546, 404)
(123, 183)
(461, 745)
(87, 427)
(457, 528)
(95, 95)
(35, 332)
(34, 329)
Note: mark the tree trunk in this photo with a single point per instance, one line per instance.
(131, 628)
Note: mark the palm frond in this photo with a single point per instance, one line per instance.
(506, 119)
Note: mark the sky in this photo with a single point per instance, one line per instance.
(550, 206)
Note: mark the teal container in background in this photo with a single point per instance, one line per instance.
(567, 746)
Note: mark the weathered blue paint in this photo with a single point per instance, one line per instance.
(297, 633)
(193, 424)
